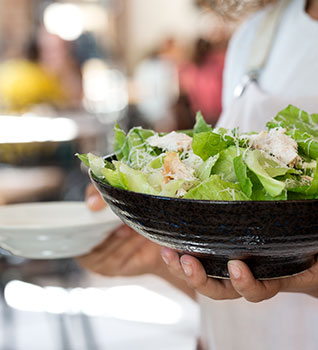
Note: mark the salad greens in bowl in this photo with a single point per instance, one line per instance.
(219, 194)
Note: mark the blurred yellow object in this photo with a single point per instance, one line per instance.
(24, 83)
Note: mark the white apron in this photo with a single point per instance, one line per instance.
(287, 321)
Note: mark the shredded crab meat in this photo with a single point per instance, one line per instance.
(278, 144)
(174, 169)
(172, 142)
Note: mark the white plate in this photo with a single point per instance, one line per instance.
(52, 230)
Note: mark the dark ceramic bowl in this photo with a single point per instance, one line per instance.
(275, 238)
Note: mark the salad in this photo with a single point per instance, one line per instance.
(279, 163)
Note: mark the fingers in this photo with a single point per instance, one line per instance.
(242, 282)
(109, 257)
(191, 270)
(305, 282)
(113, 264)
(211, 287)
(171, 258)
(93, 199)
(247, 286)
(108, 246)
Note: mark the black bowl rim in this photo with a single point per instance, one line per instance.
(186, 200)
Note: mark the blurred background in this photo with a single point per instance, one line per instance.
(69, 70)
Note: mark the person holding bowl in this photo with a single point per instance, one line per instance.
(271, 62)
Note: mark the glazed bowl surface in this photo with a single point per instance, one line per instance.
(275, 238)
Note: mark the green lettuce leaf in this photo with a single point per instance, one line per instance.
(240, 169)
(255, 161)
(205, 169)
(114, 178)
(216, 189)
(313, 188)
(260, 194)
(224, 167)
(83, 158)
(134, 180)
(170, 189)
(208, 144)
(155, 180)
(95, 163)
(200, 124)
(120, 144)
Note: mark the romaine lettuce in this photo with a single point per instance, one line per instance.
(255, 160)
(216, 189)
(222, 164)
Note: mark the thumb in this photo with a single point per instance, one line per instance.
(94, 201)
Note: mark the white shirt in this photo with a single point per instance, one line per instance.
(291, 69)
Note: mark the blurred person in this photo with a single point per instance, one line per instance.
(47, 74)
(291, 57)
(24, 83)
(156, 84)
(56, 56)
(201, 84)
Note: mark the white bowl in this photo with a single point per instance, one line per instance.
(52, 230)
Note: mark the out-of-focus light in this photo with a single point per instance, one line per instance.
(130, 302)
(36, 129)
(95, 17)
(64, 20)
(32, 295)
(104, 89)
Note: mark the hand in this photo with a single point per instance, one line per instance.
(94, 200)
(242, 282)
(124, 253)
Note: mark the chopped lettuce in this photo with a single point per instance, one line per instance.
(120, 145)
(134, 180)
(259, 193)
(205, 169)
(207, 144)
(215, 164)
(114, 178)
(83, 158)
(255, 161)
(171, 188)
(313, 188)
(240, 169)
(94, 162)
(216, 189)
(225, 166)
(200, 124)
